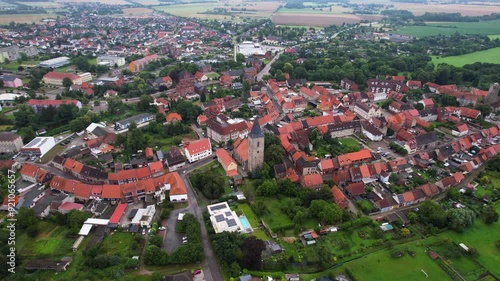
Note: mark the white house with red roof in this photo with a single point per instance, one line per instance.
(37, 105)
(56, 78)
(197, 150)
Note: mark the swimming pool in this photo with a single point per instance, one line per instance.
(244, 222)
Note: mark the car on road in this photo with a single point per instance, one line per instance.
(162, 228)
(144, 232)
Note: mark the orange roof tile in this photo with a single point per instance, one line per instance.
(224, 157)
(177, 186)
(111, 191)
(198, 146)
(174, 116)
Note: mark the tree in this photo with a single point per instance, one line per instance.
(66, 82)
(26, 218)
(460, 219)
(490, 214)
(145, 102)
(156, 240)
(240, 57)
(227, 246)
(431, 212)
(136, 139)
(325, 255)
(299, 73)
(325, 212)
(274, 154)
(246, 87)
(405, 232)
(211, 185)
(76, 219)
(252, 251)
(82, 63)
(34, 83)
(268, 188)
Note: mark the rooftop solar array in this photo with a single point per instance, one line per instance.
(219, 218)
(218, 207)
(231, 223)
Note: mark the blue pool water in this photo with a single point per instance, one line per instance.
(244, 222)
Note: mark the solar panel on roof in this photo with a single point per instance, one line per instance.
(228, 214)
(218, 207)
(219, 218)
(231, 223)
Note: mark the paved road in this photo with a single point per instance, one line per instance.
(266, 68)
(173, 239)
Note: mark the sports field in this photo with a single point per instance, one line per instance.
(491, 55)
(449, 28)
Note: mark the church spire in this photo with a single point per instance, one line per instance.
(256, 131)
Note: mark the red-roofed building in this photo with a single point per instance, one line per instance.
(37, 105)
(355, 189)
(197, 150)
(414, 84)
(148, 152)
(312, 181)
(339, 198)
(69, 206)
(117, 214)
(173, 117)
(202, 119)
(227, 162)
(460, 130)
(178, 191)
(56, 78)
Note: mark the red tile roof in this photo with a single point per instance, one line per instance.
(224, 157)
(60, 75)
(117, 214)
(34, 102)
(198, 146)
(177, 186)
(171, 117)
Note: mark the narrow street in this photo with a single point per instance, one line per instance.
(173, 240)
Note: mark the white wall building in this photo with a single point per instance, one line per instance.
(197, 150)
(39, 146)
(224, 219)
(111, 60)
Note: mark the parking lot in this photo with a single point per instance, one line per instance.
(384, 148)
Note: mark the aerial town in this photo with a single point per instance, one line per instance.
(226, 141)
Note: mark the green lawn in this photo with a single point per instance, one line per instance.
(483, 27)
(381, 266)
(254, 221)
(275, 217)
(349, 142)
(493, 37)
(51, 241)
(461, 263)
(13, 65)
(490, 55)
(213, 75)
(118, 243)
(482, 237)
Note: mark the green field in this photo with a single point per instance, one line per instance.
(252, 219)
(187, 10)
(380, 265)
(433, 29)
(493, 37)
(491, 55)
(482, 237)
(13, 65)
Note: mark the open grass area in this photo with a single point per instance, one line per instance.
(493, 37)
(14, 65)
(245, 209)
(482, 237)
(491, 55)
(380, 265)
(454, 256)
(118, 243)
(349, 142)
(50, 242)
(483, 27)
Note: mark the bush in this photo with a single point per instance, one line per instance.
(156, 240)
(32, 230)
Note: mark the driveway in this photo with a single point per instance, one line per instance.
(173, 240)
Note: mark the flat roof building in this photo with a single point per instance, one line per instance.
(224, 219)
(111, 60)
(137, 119)
(55, 63)
(39, 146)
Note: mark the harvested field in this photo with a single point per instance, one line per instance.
(25, 18)
(46, 5)
(108, 2)
(328, 11)
(319, 19)
(465, 10)
(148, 2)
(136, 11)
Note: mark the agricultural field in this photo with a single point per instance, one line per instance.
(135, 11)
(321, 20)
(5, 4)
(240, 10)
(108, 2)
(494, 37)
(465, 10)
(432, 29)
(491, 55)
(25, 18)
(328, 11)
(45, 5)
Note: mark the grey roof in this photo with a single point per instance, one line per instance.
(256, 131)
(27, 200)
(9, 78)
(427, 138)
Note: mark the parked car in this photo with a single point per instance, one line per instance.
(144, 232)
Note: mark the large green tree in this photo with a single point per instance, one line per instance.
(460, 219)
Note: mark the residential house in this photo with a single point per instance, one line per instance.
(38, 105)
(222, 133)
(339, 198)
(10, 81)
(10, 142)
(227, 162)
(367, 111)
(460, 130)
(347, 84)
(312, 181)
(197, 150)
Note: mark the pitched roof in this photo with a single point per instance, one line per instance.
(174, 116)
(312, 180)
(198, 146)
(256, 131)
(177, 186)
(356, 188)
(224, 157)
